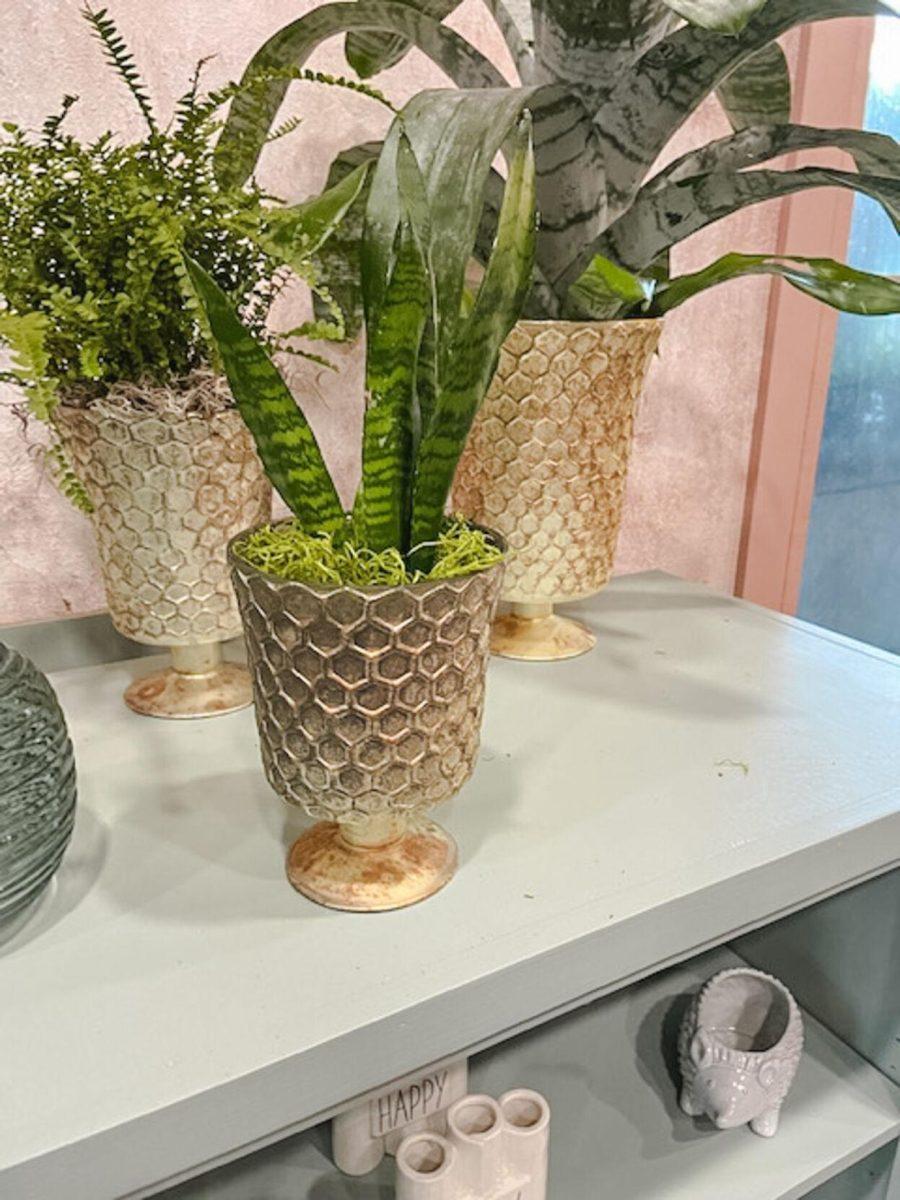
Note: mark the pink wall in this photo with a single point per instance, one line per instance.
(687, 484)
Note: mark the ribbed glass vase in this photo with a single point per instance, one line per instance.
(37, 783)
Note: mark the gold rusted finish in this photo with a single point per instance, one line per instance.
(198, 684)
(539, 636)
(547, 458)
(368, 704)
(169, 490)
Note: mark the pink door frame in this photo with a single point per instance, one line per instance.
(830, 89)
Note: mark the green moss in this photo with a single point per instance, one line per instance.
(287, 551)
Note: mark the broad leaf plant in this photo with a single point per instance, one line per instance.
(609, 84)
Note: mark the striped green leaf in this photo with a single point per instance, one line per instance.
(296, 232)
(758, 92)
(722, 16)
(254, 109)
(392, 421)
(660, 219)
(832, 282)
(468, 358)
(284, 439)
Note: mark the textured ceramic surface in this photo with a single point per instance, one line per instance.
(546, 461)
(740, 1047)
(494, 1150)
(369, 705)
(37, 783)
(169, 491)
(361, 1136)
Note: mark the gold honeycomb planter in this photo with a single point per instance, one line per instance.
(169, 490)
(368, 704)
(545, 465)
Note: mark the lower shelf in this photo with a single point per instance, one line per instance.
(609, 1071)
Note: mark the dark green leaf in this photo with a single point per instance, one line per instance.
(295, 233)
(253, 110)
(467, 351)
(606, 292)
(368, 53)
(873, 153)
(721, 16)
(658, 220)
(284, 439)
(758, 92)
(647, 106)
(834, 283)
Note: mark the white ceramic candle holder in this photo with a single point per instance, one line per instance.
(361, 1136)
(493, 1150)
(740, 1047)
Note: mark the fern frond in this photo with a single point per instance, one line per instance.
(26, 338)
(284, 129)
(120, 58)
(65, 478)
(50, 127)
(185, 105)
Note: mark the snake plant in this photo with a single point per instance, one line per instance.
(432, 346)
(612, 82)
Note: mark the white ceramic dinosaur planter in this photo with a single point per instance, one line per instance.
(361, 1136)
(494, 1150)
(740, 1046)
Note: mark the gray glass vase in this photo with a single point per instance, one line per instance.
(37, 783)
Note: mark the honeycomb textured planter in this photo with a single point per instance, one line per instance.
(37, 784)
(368, 704)
(740, 1046)
(169, 491)
(546, 465)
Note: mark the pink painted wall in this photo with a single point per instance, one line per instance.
(687, 485)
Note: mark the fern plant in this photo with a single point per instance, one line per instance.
(93, 288)
(431, 348)
(612, 83)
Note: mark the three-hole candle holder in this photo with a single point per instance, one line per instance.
(493, 1150)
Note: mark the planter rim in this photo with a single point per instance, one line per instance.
(373, 589)
(748, 973)
(589, 324)
(125, 412)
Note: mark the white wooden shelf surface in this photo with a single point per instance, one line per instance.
(173, 1002)
(610, 1074)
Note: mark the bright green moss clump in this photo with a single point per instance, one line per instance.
(287, 551)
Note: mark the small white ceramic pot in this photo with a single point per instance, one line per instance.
(740, 1047)
(493, 1149)
(361, 1136)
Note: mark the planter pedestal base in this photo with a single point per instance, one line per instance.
(198, 684)
(535, 631)
(372, 867)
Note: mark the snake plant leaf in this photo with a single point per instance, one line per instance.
(660, 219)
(392, 423)
(758, 92)
(295, 233)
(467, 357)
(721, 16)
(369, 52)
(834, 283)
(284, 439)
(873, 153)
(253, 110)
(607, 292)
(646, 107)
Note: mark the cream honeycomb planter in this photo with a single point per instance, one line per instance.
(368, 704)
(169, 490)
(546, 464)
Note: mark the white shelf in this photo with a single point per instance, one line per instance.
(617, 1132)
(175, 1003)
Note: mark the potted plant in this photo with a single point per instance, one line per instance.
(610, 85)
(368, 632)
(108, 341)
